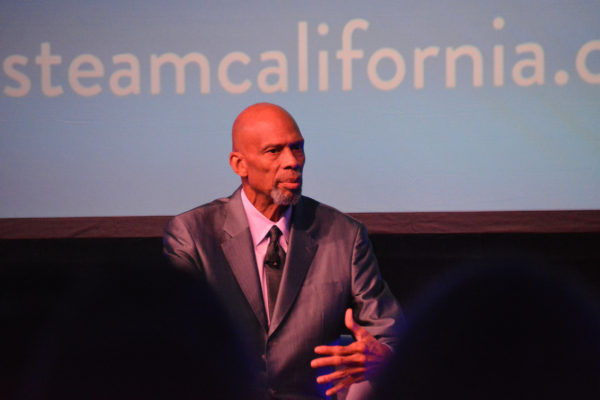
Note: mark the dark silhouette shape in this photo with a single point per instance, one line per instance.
(499, 333)
(128, 332)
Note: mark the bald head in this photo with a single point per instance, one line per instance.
(257, 119)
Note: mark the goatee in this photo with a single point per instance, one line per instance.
(284, 199)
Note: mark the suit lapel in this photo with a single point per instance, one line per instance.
(239, 251)
(299, 258)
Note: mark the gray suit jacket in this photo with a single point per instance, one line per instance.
(330, 266)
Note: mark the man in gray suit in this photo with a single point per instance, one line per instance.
(292, 272)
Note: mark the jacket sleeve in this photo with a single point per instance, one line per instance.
(375, 307)
(178, 246)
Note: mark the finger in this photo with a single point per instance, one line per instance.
(329, 350)
(336, 361)
(332, 361)
(342, 385)
(349, 319)
(340, 374)
(358, 331)
(354, 347)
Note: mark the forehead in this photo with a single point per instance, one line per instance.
(279, 132)
(272, 128)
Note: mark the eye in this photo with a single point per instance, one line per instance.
(297, 146)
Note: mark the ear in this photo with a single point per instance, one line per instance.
(238, 163)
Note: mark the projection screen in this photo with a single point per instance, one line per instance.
(124, 108)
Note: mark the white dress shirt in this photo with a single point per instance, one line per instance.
(259, 228)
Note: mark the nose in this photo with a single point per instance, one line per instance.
(293, 159)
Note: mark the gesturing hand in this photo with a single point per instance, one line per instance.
(354, 362)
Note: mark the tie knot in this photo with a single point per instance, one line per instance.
(275, 256)
(274, 234)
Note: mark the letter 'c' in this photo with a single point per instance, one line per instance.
(236, 56)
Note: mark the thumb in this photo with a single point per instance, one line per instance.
(358, 331)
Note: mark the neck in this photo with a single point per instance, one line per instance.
(273, 212)
(266, 206)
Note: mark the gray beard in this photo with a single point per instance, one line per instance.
(282, 199)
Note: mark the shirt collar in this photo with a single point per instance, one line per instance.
(260, 225)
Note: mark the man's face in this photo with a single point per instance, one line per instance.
(273, 150)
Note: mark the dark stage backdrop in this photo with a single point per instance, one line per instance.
(409, 262)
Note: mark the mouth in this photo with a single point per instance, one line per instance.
(291, 183)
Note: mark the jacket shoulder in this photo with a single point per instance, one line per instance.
(204, 214)
(323, 213)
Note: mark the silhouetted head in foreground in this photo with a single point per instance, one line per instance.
(130, 333)
(500, 333)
